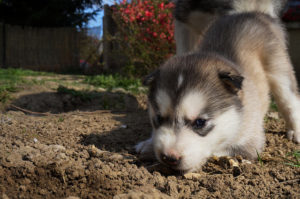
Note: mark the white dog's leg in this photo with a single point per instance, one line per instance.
(285, 90)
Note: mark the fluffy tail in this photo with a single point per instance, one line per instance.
(270, 7)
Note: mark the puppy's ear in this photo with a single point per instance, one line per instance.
(232, 82)
(150, 78)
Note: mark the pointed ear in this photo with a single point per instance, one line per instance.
(232, 82)
(150, 78)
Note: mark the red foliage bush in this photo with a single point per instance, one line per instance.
(147, 29)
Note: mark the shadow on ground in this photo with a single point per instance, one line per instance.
(121, 107)
(134, 127)
(71, 100)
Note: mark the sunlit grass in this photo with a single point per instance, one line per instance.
(114, 81)
(12, 80)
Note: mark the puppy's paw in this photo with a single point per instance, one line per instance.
(145, 149)
(144, 146)
(294, 136)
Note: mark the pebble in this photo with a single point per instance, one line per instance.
(233, 163)
(4, 196)
(57, 148)
(124, 126)
(274, 115)
(116, 157)
(22, 188)
(119, 90)
(94, 151)
(246, 161)
(192, 176)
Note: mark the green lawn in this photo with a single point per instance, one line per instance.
(114, 81)
(12, 80)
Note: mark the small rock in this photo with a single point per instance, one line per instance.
(43, 192)
(116, 157)
(233, 163)
(35, 140)
(274, 115)
(22, 188)
(27, 181)
(246, 161)
(172, 188)
(94, 151)
(124, 126)
(4, 196)
(101, 89)
(119, 90)
(142, 89)
(239, 158)
(6, 120)
(192, 176)
(215, 158)
(57, 148)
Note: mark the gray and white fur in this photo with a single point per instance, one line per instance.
(212, 101)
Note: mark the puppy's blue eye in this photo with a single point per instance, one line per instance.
(199, 123)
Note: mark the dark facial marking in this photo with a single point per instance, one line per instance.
(150, 78)
(159, 120)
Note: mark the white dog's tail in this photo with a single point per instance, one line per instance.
(270, 7)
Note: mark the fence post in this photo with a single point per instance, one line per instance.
(2, 45)
(109, 31)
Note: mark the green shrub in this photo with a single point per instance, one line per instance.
(146, 33)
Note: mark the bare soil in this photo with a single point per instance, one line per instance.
(85, 149)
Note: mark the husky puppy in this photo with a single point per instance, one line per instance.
(212, 101)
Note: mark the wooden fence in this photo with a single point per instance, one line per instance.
(113, 60)
(45, 49)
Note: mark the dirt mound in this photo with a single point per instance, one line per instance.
(76, 154)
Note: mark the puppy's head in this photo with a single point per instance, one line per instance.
(194, 108)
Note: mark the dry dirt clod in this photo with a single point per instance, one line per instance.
(244, 161)
(192, 176)
(233, 163)
(116, 157)
(4, 196)
(94, 151)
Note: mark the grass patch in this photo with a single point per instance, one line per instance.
(12, 80)
(114, 81)
(293, 159)
(16, 72)
(273, 106)
(83, 95)
(259, 159)
(61, 119)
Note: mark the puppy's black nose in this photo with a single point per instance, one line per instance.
(170, 160)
